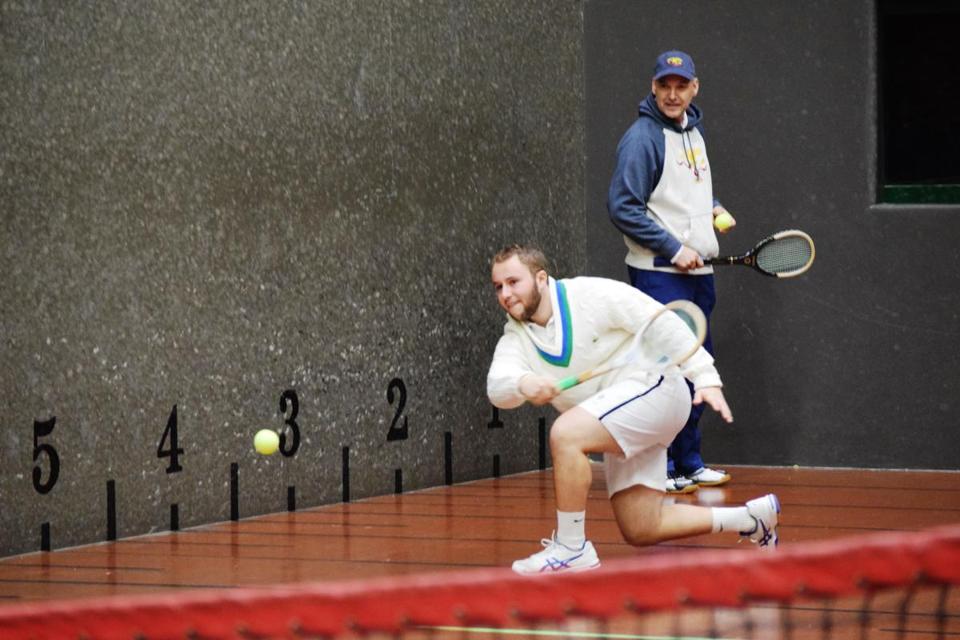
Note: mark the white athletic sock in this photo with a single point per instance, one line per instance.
(571, 528)
(732, 519)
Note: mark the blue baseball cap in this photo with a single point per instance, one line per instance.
(674, 63)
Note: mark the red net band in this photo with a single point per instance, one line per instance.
(496, 598)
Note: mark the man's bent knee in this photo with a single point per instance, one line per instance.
(563, 435)
(639, 534)
(637, 510)
(577, 430)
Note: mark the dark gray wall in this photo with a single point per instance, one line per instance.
(853, 364)
(203, 205)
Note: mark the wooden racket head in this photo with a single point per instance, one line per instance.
(785, 254)
(661, 354)
(648, 350)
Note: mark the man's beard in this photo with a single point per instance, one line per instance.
(531, 308)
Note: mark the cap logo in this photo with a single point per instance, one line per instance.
(674, 61)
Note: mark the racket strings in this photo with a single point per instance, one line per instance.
(784, 255)
(669, 339)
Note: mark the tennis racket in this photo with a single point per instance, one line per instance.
(670, 336)
(785, 254)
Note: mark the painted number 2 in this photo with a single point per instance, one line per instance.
(397, 432)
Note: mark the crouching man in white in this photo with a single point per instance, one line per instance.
(558, 327)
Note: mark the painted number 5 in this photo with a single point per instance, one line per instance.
(41, 429)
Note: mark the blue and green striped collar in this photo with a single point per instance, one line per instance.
(558, 354)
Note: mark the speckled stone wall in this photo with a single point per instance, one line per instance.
(218, 217)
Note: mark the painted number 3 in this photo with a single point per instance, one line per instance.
(290, 396)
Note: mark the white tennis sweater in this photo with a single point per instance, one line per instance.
(594, 320)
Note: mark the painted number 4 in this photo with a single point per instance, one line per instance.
(168, 444)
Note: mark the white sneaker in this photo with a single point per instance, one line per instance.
(709, 477)
(679, 484)
(766, 514)
(558, 557)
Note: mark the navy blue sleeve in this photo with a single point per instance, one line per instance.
(639, 167)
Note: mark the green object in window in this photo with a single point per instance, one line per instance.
(921, 194)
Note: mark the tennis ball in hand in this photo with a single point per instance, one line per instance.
(266, 442)
(723, 221)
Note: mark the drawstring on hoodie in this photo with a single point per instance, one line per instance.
(689, 156)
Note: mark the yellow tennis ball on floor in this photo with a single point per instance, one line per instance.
(723, 221)
(266, 442)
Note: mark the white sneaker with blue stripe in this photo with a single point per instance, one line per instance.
(558, 557)
(766, 514)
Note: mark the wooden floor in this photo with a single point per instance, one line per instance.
(480, 524)
(486, 523)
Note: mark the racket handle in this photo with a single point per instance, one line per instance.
(565, 383)
(660, 261)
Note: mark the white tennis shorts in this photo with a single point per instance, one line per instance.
(643, 419)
